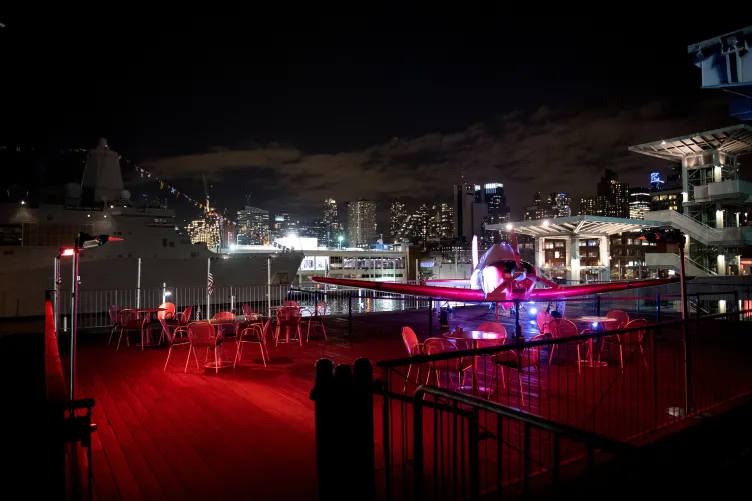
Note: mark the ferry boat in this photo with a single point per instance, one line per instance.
(32, 233)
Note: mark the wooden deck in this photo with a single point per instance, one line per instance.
(249, 432)
(171, 435)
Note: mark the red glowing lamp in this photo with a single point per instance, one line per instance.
(66, 252)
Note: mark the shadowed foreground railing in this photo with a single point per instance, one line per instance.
(545, 413)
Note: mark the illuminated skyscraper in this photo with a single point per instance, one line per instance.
(639, 202)
(332, 222)
(361, 228)
(397, 217)
(613, 196)
(253, 226)
(561, 204)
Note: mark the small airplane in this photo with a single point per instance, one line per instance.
(498, 276)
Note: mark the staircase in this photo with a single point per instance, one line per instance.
(669, 261)
(702, 232)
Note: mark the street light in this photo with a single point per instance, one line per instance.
(339, 239)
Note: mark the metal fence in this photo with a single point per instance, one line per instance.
(620, 385)
(93, 305)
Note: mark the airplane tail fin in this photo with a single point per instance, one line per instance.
(475, 251)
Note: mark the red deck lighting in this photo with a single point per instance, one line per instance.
(66, 252)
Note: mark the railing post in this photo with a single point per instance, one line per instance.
(430, 317)
(736, 303)
(362, 448)
(349, 314)
(517, 327)
(417, 447)
(323, 396)
(334, 428)
(598, 306)
(474, 453)
(658, 306)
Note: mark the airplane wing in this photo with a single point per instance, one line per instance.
(451, 293)
(581, 290)
(455, 281)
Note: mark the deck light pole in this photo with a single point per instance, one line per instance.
(83, 241)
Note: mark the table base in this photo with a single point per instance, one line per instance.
(595, 364)
(222, 364)
(468, 388)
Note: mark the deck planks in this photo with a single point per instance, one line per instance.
(201, 435)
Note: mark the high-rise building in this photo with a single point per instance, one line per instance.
(444, 215)
(561, 204)
(361, 228)
(332, 222)
(281, 225)
(588, 206)
(639, 202)
(613, 196)
(492, 195)
(538, 210)
(253, 226)
(206, 230)
(397, 217)
(469, 215)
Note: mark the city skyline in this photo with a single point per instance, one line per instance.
(361, 119)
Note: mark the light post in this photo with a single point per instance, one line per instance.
(340, 239)
(165, 292)
(83, 241)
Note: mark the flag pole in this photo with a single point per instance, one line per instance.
(208, 288)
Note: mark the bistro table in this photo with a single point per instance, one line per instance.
(474, 337)
(219, 332)
(601, 323)
(148, 311)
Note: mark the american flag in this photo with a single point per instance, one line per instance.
(210, 283)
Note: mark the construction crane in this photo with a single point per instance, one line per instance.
(206, 191)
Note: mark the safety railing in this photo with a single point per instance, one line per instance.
(464, 446)
(623, 385)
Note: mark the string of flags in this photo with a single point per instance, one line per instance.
(174, 191)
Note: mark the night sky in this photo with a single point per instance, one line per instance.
(377, 106)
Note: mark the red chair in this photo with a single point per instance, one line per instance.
(202, 335)
(519, 360)
(115, 319)
(175, 337)
(288, 318)
(129, 321)
(317, 319)
(254, 334)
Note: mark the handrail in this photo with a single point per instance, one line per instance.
(519, 345)
(592, 439)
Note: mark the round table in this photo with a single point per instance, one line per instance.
(146, 341)
(600, 321)
(474, 337)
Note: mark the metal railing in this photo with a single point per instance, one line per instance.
(467, 424)
(621, 385)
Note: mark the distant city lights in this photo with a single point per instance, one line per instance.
(509, 226)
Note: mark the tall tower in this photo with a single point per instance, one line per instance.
(361, 228)
(331, 221)
(397, 217)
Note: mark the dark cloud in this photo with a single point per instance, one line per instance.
(543, 150)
